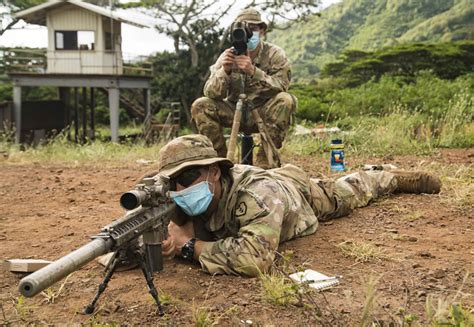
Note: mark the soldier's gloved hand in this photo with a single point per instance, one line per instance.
(244, 63)
(227, 61)
(168, 248)
(180, 234)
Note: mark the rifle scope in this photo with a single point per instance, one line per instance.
(148, 189)
(240, 35)
(132, 199)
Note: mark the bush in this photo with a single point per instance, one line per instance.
(426, 94)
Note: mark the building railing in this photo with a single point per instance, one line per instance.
(35, 61)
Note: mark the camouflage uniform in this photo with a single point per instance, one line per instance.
(262, 208)
(259, 209)
(266, 90)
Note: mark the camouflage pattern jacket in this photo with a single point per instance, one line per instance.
(272, 76)
(257, 211)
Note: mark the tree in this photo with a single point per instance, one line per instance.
(188, 23)
(174, 77)
(7, 6)
(446, 60)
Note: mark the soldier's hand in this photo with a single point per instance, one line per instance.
(180, 234)
(245, 64)
(227, 61)
(168, 248)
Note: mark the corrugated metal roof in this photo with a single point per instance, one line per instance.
(37, 14)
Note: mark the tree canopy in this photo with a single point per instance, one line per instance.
(7, 6)
(445, 60)
(371, 25)
(199, 37)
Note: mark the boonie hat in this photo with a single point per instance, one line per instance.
(186, 151)
(251, 16)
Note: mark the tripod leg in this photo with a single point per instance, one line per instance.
(149, 280)
(89, 309)
(271, 151)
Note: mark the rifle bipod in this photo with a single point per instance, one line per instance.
(128, 252)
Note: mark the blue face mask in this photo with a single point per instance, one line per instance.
(193, 200)
(253, 42)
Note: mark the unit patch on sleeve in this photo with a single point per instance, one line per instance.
(241, 209)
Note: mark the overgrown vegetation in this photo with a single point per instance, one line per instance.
(371, 25)
(424, 94)
(390, 116)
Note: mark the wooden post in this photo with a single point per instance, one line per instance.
(17, 112)
(84, 115)
(114, 113)
(64, 97)
(92, 132)
(76, 115)
(146, 101)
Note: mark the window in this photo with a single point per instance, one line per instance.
(109, 45)
(74, 40)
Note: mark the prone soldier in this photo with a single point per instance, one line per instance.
(232, 218)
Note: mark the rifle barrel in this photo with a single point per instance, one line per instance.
(47, 276)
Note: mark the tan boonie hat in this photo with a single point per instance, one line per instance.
(186, 151)
(251, 16)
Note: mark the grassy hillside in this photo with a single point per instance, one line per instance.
(371, 24)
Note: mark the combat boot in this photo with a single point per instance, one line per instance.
(416, 182)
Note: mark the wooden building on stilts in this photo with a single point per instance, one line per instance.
(83, 57)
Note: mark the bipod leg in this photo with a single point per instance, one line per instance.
(149, 281)
(89, 309)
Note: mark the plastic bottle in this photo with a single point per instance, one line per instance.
(337, 156)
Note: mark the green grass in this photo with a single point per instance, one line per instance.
(61, 151)
(130, 129)
(402, 132)
(278, 289)
(389, 117)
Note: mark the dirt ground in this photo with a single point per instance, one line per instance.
(46, 211)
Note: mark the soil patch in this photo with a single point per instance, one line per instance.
(47, 211)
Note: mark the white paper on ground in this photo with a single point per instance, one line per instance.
(315, 279)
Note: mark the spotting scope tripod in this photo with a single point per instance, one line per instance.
(242, 109)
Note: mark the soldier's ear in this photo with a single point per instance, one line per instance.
(214, 173)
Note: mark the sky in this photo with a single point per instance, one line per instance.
(135, 41)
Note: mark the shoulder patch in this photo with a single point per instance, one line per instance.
(241, 209)
(248, 206)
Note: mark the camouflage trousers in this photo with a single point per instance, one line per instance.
(211, 116)
(337, 198)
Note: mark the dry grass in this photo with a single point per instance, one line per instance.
(413, 216)
(202, 316)
(363, 252)
(370, 301)
(449, 311)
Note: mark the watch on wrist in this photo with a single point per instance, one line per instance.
(187, 251)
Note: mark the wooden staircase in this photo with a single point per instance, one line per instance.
(153, 129)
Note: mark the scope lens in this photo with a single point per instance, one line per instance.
(129, 201)
(238, 34)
